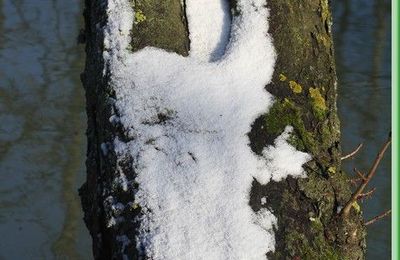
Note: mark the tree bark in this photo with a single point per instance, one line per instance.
(304, 84)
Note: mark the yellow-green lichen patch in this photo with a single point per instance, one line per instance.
(332, 170)
(324, 9)
(318, 102)
(295, 87)
(325, 14)
(139, 16)
(323, 40)
(282, 77)
(135, 206)
(316, 126)
(356, 206)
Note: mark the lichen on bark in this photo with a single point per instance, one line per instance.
(308, 224)
(160, 24)
(304, 85)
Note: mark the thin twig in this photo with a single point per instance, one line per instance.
(367, 194)
(355, 181)
(352, 153)
(384, 214)
(360, 174)
(371, 173)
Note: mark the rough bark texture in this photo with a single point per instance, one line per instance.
(304, 84)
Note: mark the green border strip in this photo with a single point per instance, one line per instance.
(395, 130)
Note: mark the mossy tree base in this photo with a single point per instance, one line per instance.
(304, 84)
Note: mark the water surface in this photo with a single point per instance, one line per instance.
(363, 58)
(42, 117)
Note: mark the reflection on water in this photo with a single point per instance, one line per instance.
(363, 58)
(42, 143)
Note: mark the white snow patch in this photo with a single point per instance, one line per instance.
(206, 44)
(265, 219)
(188, 118)
(263, 200)
(283, 160)
(111, 222)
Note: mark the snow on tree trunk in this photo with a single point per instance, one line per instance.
(188, 153)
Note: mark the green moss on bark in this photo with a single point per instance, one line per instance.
(309, 226)
(160, 24)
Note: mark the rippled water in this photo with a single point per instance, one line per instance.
(42, 129)
(42, 141)
(363, 58)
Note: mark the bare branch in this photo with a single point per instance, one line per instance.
(384, 214)
(371, 173)
(360, 174)
(367, 194)
(352, 153)
(355, 181)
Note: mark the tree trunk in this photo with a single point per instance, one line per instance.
(304, 84)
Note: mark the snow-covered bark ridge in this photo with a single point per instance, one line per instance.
(188, 119)
(209, 28)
